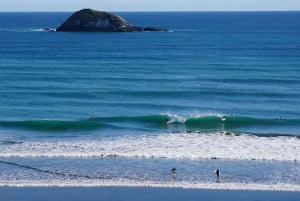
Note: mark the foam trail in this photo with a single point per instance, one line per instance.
(51, 171)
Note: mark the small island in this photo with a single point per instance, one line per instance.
(89, 20)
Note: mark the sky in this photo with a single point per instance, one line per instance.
(150, 5)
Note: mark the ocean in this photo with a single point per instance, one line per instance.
(219, 90)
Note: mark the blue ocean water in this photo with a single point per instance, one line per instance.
(219, 90)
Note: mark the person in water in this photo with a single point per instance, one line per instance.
(173, 170)
(218, 174)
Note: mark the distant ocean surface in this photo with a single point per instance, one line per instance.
(219, 90)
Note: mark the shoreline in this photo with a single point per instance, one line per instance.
(176, 185)
(139, 193)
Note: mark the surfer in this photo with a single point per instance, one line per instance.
(218, 174)
(167, 121)
(173, 170)
(223, 118)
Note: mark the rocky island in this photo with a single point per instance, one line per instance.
(89, 20)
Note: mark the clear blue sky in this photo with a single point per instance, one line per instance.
(149, 5)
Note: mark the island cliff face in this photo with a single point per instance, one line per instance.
(89, 20)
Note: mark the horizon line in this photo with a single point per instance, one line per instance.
(35, 11)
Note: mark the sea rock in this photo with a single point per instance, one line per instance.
(89, 20)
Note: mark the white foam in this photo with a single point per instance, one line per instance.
(191, 146)
(184, 118)
(154, 184)
(177, 118)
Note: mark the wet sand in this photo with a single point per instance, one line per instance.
(138, 194)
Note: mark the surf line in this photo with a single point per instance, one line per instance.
(54, 172)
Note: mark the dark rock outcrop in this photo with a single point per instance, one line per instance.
(89, 20)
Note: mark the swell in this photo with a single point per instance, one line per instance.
(52, 125)
(200, 121)
(164, 122)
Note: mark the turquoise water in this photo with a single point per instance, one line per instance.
(219, 90)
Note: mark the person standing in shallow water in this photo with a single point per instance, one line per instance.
(218, 174)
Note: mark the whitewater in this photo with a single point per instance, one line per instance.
(192, 146)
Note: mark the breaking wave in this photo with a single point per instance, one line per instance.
(190, 123)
